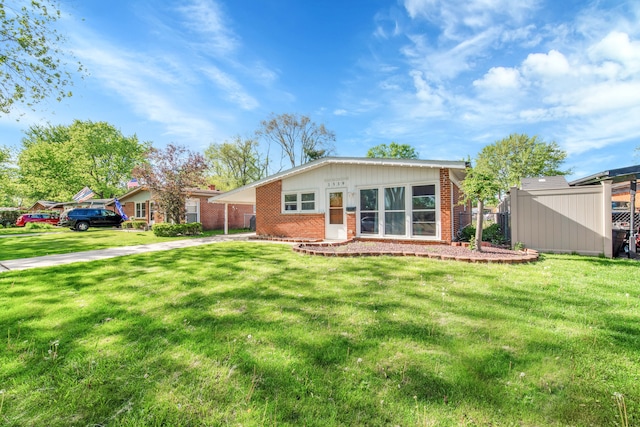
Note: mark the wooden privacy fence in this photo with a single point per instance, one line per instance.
(566, 220)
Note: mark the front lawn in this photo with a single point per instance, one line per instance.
(253, 334)
(66, 241)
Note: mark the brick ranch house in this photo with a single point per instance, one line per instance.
(137, 204)
(337, 198)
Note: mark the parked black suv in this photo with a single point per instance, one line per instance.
(81, 219)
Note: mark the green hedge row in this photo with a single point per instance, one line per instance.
(173, 230)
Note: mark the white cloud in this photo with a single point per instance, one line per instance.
(457, 17)
(424, 92)
(232, 89)
(499, 79)
(617, 47)
(206, 18)
(540, 65)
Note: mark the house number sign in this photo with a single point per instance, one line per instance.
(336, 183)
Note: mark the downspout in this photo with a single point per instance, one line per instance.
(226, 218)
(453, 211)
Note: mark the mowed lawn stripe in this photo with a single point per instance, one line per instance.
(255, 334)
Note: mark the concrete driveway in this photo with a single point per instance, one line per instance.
(51, 260)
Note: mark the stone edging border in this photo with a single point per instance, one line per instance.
(528, 255)
(285, 239)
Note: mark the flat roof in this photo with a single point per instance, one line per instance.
(628, 173)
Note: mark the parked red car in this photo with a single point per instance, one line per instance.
(37, 217)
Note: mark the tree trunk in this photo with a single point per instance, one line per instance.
(479, 226)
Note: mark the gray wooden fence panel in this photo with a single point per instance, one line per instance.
(575, 219)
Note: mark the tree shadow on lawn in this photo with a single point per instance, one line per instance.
(323, 352)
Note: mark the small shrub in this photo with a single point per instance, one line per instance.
(38, 226)
(472, 244)
(519, 246)
(492, 234)
(467, 233)
(135, 225)
(173, 230)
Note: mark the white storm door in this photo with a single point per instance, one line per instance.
(335, 221)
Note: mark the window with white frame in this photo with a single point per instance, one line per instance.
(403, 210)
(423, 210)
(369, 211)
(192, 207)
(141, 209)
(394, 211)
(299, 202)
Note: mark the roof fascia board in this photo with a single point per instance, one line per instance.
(440, 164)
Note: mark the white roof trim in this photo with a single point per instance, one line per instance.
(247, 192)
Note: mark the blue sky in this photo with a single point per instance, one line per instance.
(445, 76)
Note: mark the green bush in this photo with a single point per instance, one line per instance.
(135, 225)
(492, 234)
(467, 233)
(38, 226)
(173, 230)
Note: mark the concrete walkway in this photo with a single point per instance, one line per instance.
(51, 260)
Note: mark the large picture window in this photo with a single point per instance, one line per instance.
(404, 210)
(302, 201)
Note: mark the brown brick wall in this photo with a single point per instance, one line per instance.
(459, 212)
(211, 214)
(270, 221)
(351, 225)
(445, 205)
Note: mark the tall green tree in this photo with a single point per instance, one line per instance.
(236, 163)
(169, 174)
(8, 178)
(32, 59)
(480, 186)
(520, 156)
(300, 139)
(393, 151)
(58, 161)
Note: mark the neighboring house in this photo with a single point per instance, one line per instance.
(137, 204)
(46, 205)
(341, 198)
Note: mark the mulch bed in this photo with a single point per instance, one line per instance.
(442, 252)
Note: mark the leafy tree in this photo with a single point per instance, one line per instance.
(520, 156)
(300, 139)
(479, 185)
(169, 174)
(58, 161)
(7, 178)
(235, 163)
(32, 63)
(393, 151)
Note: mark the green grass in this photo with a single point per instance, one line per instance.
(254, 334)
(67, 241)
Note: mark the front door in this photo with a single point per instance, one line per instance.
(335, 223)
